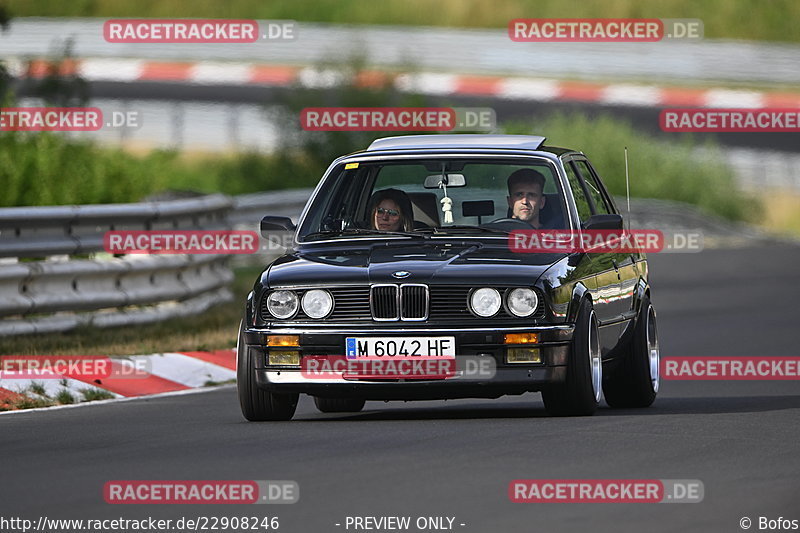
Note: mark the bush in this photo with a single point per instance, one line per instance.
(46, 169)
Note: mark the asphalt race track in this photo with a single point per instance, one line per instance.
(457, 458)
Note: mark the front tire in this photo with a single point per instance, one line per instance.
(580, 394)
(259, 405)
(636, 381)
(339, 405)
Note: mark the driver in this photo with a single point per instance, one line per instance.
(526, 196)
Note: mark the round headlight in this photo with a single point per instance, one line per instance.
(485, 302)
(317, 303)
(522, 302)
(282, 304)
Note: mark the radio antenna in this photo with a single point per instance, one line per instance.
(627, 188)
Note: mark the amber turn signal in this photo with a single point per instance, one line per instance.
(283, 340)
(522, 338)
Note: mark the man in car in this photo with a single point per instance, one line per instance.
(526, 196)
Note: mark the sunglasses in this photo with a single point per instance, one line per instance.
(390, 212)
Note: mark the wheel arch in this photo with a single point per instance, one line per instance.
(579, 293)
(642, 290)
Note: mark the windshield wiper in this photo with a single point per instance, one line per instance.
(363, 231)
(444, 229)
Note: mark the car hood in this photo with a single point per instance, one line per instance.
(448, 262)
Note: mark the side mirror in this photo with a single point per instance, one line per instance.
(273, 224)
(603, 222)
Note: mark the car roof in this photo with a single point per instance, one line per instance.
(463, 141)
(415, 142)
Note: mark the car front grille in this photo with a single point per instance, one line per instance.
(349, 304)
(417, 302)
(383, 302)
(399, 302)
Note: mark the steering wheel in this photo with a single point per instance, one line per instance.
(521, 224)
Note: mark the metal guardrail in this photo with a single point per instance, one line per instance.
(45, 231)
(54, 276)
(248, 209)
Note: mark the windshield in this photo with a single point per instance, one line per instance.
(436, 196)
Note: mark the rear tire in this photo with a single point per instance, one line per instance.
(636, 381)
(259, 405)
(339, 405)
(580, 394)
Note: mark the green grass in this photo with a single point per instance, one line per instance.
(776, 20)
(93, 395)
(29, 403)
(64, 397)
(664, 169)
(46, 169)
(37, 388)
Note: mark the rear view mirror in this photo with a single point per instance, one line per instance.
(451, 180)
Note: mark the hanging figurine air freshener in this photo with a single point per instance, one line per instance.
(447, 205)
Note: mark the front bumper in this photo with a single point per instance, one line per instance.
(509, 378)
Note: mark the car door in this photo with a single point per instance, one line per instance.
(607, 296)
(624, 263)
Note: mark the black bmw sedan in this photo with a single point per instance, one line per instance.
(404, 281)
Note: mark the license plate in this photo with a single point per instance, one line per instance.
(400, 347)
